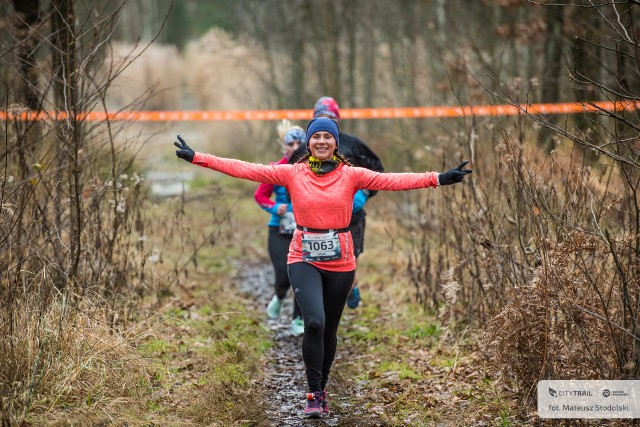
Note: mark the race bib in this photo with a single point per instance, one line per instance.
(287, 223)
(321, 247)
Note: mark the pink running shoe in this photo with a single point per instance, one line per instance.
(325, 404)
(314, 405)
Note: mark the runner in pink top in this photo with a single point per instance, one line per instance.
(281, 227)
(321, 262)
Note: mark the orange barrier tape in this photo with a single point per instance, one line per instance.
(347, 113)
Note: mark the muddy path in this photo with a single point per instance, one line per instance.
(284, 381)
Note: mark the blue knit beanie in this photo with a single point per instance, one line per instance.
(295, 133)
(323, 124)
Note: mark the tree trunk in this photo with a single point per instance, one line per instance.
(335, 80)
(65, 84)
(28, 133)
(585, 63)
(326, 33)
(551, 72)
(27, 17)
(298, 60)
(370, 62)
(352, 35)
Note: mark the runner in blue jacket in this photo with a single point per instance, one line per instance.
(281, 226)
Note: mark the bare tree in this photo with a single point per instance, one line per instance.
(550, 82)
(65, 74)
(27, 20)
(585, 62)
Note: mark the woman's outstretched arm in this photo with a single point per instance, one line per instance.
(371, 180)
(269, 174)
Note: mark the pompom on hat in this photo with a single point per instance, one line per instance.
(320, 124)
(327, 107)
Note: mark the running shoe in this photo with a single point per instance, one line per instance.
(353, 300)
(324, 404)
(297, 327)
(314, 405)
(274, 307)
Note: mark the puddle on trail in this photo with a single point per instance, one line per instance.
(169, 184)
(284, 374)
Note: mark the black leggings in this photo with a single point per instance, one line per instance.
(278, 245)
(321, 295)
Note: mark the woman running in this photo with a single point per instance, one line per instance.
(358, 154)
(281, 226)
(321, 259)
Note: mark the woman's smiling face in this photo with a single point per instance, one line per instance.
(322, 145)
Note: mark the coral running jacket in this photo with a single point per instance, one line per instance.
(320, 201)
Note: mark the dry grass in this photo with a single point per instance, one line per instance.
(539, 249)
(225, 402)
(156, 75)
(569, 322)
(62, 361)
(69, 345)
(224, 74)
(571, 316)
(215, 72)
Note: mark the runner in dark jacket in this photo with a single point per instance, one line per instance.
(359, 154)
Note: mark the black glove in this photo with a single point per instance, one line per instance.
(454, 176)
(185, 152)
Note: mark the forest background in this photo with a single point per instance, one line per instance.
(534, 263)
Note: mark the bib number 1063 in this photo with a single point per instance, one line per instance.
(320, 247)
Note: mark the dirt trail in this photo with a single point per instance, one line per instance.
(284, 382)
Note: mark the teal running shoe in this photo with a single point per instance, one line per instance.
(353, 300)
(274, 307)
(297, 327)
